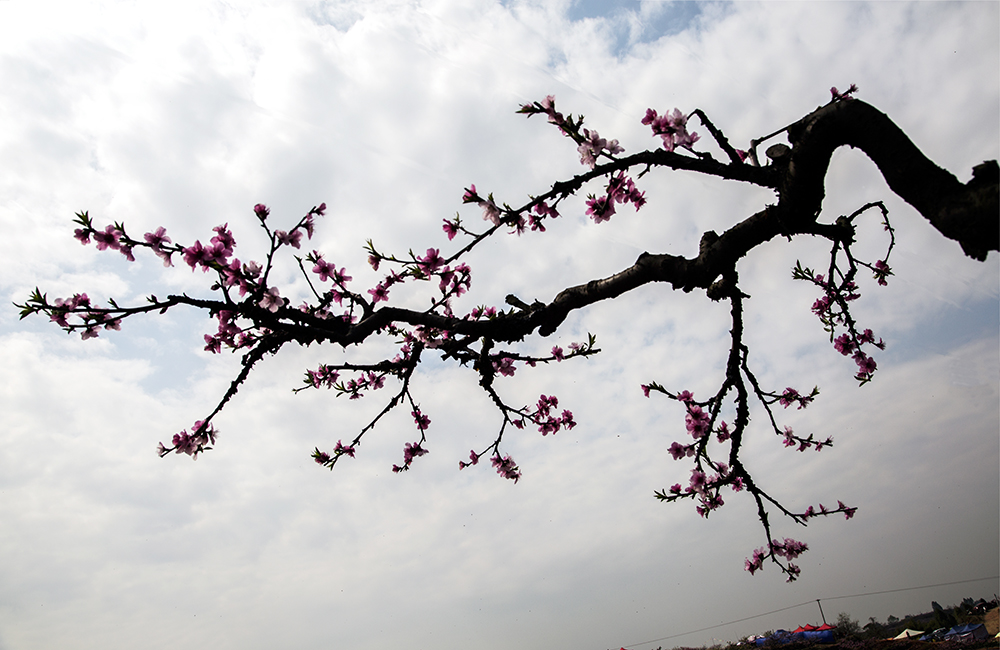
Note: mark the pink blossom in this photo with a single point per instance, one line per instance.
(882, 271)
(252, 269)
(421, 420)
(430, 262)
(792, 396)
(600, 208)
(165, 256)
(594, 146)
(505, 366)
(293, 238)
(698, 482)
(671, 127)
(838, 96)
(789, 548)
(193, 254)
(480, 312)
(107, 239)
(844, 344)
(821, 305)
(757, 563)
(866, 365)
(544, 210)
(506, 467)
(622, 189)
(379, 294)
(261, 211)
(848, 512)
(309, 224)
(322, 375)
(412, 450)
(157, 238)
(545, 403)
(214, 255)
(324, 269)
(59, 318)
(341, 278)
(697, 421)
(557, 352)
(271, 301)
(78, 300)
(184, 444)
(224, 239)
(549, 107)
(490, 212)
(473, 460)
(868, 337)
(678, 451)
(788, 397)
(709, 503)
(551, 425)
(450, 228)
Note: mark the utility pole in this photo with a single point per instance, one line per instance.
(821, 611)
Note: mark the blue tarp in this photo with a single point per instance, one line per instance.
(784, 636)
(967, 632)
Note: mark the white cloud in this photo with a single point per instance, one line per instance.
(189, 115)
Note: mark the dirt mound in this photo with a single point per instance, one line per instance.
(992, 621)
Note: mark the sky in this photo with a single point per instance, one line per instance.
(187, 114)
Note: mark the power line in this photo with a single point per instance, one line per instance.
(892, 591)
(809, 602)
(712, 627)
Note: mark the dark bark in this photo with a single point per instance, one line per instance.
(968, 213)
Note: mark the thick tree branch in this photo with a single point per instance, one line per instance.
(969, 213)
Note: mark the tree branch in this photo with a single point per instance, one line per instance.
(966, 213)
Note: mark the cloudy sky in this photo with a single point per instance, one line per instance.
(186, 114)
